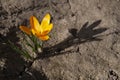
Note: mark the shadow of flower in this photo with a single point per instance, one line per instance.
(85, 34)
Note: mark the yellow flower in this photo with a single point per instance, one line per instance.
(39, 30)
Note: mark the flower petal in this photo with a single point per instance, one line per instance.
(35, 24)
(47, 29)
(45, 22)
(33, 31)
(46, 37)
(25, 29)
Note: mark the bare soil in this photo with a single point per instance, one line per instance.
(84, 43)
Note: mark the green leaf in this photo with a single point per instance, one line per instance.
(17, 49)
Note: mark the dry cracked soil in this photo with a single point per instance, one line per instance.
(84, 43)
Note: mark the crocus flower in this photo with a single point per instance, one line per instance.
(39, 30)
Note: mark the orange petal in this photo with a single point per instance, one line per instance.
(45, 21)
(25, 29)
(47, 29)
(33, 31)
(35, 24)
(46, 37)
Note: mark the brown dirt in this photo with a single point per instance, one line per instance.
(84, 44)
